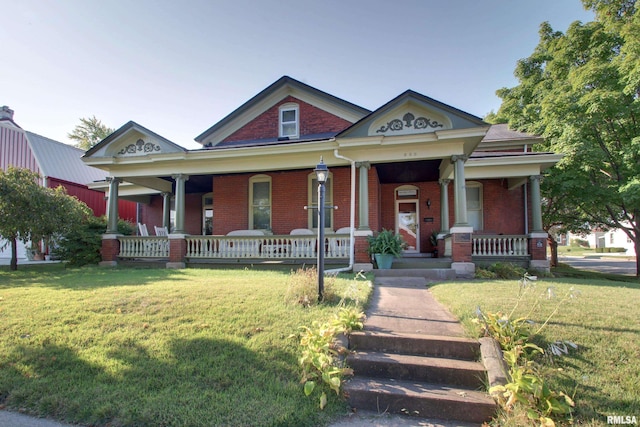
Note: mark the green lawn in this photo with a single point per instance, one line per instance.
(603, 374)
(156, 347)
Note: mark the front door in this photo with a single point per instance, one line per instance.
(407, 224)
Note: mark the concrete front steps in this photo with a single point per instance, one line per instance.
(427, 376)
(418, 265)
(416, 366)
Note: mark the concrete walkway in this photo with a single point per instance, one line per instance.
(406, 305)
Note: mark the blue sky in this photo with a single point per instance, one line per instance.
(179, 67)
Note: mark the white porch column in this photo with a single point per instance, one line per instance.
(166, 210)
(363, 208)
(444, 205)
(460, 191)
(112, 211)
(180, 179)
(536, 204)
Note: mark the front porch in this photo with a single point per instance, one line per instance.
(303, 249)
(298, 248)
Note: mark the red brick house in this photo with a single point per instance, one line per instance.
(414, 165)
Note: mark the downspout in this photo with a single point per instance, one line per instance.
(352, 216)
(526, 203)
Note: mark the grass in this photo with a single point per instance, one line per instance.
(603, 374)
(582, 251)
(575, 251)
(157, 347)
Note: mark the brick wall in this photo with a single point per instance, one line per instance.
(110, 249)
(289, 193)
(151, 214)
(312, 121)
(503, 208)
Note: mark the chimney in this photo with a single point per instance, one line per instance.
(6, 113)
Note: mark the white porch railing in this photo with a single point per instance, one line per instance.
(269, 247)
(500, 246)
(144, 247)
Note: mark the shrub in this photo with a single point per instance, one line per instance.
(482, 273)
(505, 270)
(303, 287)
(82, 246)
(617, 250)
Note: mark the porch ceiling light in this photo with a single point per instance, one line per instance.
(322, 172)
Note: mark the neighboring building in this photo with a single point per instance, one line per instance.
(414, 165)
(614, 238)
(56, 163)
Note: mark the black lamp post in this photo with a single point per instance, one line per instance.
(322, 174)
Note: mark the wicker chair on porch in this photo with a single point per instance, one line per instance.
(161, 231)
(142, 229)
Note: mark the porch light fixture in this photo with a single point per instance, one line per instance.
(322, 174)
(428, 203)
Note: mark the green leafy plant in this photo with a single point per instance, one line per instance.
(433, 238)
(385, 242)
(527, 386)
(321, 353)
(349, 319)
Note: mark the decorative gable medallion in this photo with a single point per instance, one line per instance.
(409, 118)
(140, 147)
(408, 121)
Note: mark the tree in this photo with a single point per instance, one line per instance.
(580, 90)
(30, 212)
(89, 132)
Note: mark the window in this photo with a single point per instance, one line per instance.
(260, 202)
(207, 214)
(289, 121)
(172, 213)
(611, 238)
(474, 205)
(313, 201)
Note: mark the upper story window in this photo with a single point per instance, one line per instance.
(289, 121)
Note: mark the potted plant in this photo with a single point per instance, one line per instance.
(434, 242)
(385, 246)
